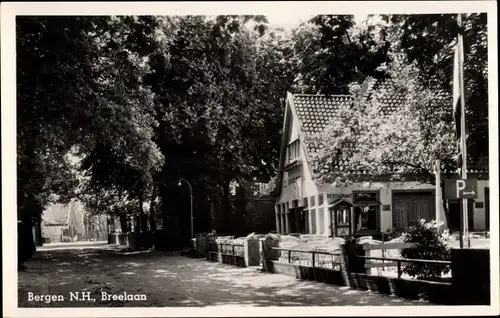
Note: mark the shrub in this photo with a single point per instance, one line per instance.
(351, 240)
(252, 236)
(432, 245)
(272, 236)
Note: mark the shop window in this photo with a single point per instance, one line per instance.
(293, 151)
(343, 216)
(321, 225)
(283, 224)
(320, 199)
(312, 213)
(306, 221)
(312, 200)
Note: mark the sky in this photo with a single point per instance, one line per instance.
(293, 19)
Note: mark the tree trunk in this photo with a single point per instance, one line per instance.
(142, 216)
(226, 203)
(445, 206)
(152, 210)
(38, 233)
(152, 221)
(123, 224)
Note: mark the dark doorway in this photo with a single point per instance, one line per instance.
(455, 212)
(454, 215)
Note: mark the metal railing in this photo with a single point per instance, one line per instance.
(397, 262)
(315, 259)
(230, 249)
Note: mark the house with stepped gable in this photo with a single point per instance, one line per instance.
(302, 205)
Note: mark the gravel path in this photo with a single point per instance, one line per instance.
(167, 279)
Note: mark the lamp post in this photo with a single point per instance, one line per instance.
(191, 197)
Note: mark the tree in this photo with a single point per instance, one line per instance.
(79, 87)
(429, 41)
(126, 163)
(54, 77)
(332, 52)
(218, 87)
(376, 138)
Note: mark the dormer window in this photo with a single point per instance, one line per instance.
(293, 151)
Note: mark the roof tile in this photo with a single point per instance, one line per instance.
(316, 111)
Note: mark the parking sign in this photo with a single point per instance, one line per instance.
(460, 189)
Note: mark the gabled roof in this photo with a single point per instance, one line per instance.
(390, 99)
(314, 112)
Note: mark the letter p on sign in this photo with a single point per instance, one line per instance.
(460, 186)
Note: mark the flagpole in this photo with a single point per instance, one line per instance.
(438, 204)
(463, 140)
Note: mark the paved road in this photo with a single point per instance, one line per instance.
(167, 279)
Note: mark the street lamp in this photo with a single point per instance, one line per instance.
(191, 197)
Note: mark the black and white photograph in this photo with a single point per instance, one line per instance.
(276, 158)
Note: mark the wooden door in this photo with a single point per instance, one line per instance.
(412, 207)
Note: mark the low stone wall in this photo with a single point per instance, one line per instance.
(210, 249)
(234, 260)
(308, 273)
(252, 252)
(435, 292)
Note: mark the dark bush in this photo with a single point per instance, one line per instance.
(432, 245)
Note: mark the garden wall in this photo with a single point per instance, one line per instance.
(242, 252)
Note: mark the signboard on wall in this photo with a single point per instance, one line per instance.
(365, 197)
(333, 197)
